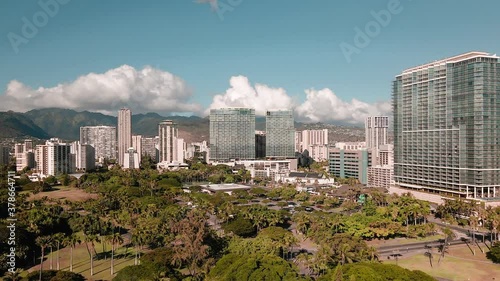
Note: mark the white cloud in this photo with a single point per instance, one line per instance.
(326, 106)
(319, 106)
(142, 91)
(154, 90)
(260, 97)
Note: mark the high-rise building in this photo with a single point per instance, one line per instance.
(137, 145)
(447, 126)
(102, 139)
(84, 156)
(4, 155)
(124, 133)
(260, 144)
(168, 133)
(131, 159)
(197, 151)
(280, 134)
(382, 174)
(54, 158)
(181, 150)
(148, 146)
(232, 134)
(306, 138)
(376, 131)
(41, 159)
(23, 152)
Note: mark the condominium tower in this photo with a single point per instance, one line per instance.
(376, 131)
(124, 133)
(447, 126)
(232, 134)
(168, 133)
(280, 134)
(102, 139)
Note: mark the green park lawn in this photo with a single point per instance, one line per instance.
(459, 264)
(81, 261)
(403, 241)
(62, 193)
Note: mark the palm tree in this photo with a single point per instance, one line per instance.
(449, 234)
(138, 240)
(91, 239)
(429, 254)
(13, 275)
(345, 254)
(71, 241)
(114, 238)
(473, 222)
(306, 259)
(43, 242)
(58, 239)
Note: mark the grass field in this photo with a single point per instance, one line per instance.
(460, 264)
(403, 241)
(81, 261)
(64, 193)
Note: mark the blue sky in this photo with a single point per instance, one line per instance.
(289, 44)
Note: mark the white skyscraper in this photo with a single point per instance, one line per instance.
(124, 133)
(131, 159)
(376, 131)
(102, 139)
(137, 145)
(167, 131)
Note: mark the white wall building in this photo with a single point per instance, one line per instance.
(350, 145)
(23, 152)
(197, 148)
(84, 156)
(137, 145)
(131, 159)
(102, 138)
(307, 138)
(382, 174)
(124, 133)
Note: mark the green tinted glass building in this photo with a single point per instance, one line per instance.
(280, 134)
(447, 126)
(232, 134)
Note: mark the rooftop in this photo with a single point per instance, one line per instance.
(453, 59)
(226, 187)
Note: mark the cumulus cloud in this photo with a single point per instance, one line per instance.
(319, 106)
(142, 91)
(325, 106)
(260, 97)
(154, 90)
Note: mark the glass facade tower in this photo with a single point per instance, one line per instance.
(280, 134)
(447, 126)
(232, 134)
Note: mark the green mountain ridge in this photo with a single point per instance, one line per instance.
(66, 123)
(18, 125)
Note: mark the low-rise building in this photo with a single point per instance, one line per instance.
(350, 163)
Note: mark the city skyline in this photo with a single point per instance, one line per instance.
(199, 66)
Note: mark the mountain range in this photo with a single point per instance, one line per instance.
(65, 124)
